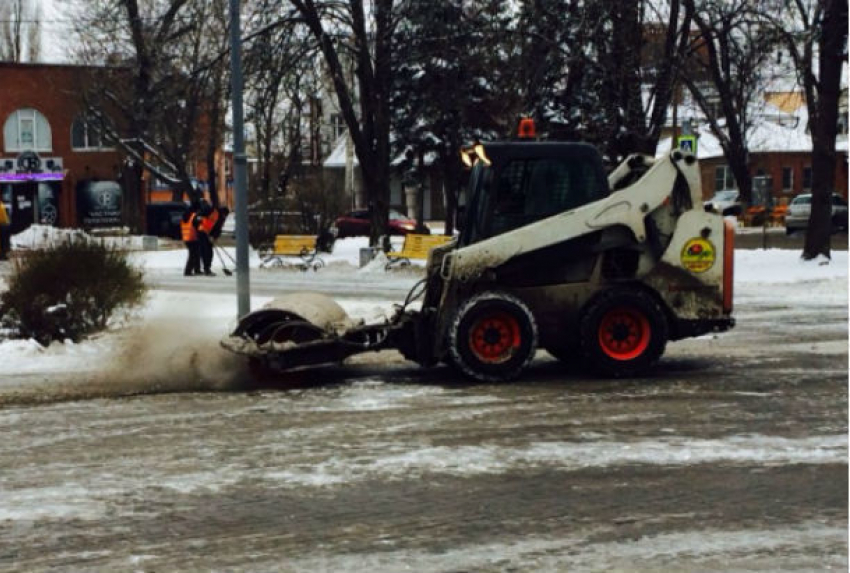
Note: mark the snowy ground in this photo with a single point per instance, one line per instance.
(732, 457)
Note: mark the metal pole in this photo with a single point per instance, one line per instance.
(240, 175)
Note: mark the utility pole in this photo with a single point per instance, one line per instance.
(240, 160)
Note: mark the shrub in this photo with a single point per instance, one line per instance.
(68, 291)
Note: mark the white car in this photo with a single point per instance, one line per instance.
(724, 202)
(800, 208)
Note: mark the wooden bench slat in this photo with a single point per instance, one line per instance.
(302, 246)
(293, 244)
(416, 247)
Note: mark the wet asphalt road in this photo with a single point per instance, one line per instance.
(731, 457)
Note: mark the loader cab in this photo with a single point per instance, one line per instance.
(514, 184)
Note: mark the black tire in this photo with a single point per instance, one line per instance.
(492, 337)
(623, 332)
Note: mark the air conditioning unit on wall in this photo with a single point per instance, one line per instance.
(52, 164)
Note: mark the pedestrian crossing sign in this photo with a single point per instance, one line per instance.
(688, 143)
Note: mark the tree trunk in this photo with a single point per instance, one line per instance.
(737, 157)
(824, 128)
(214, 138)
(132, 185)
(377, 185)
(451, 178)
(421, 182)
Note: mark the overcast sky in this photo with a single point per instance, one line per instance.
(56, 36)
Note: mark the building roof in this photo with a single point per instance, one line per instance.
(772, 134)
(337, 157)
(336, 160)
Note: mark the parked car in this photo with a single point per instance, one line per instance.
(800, 208)
(725, 202)
(357, 224)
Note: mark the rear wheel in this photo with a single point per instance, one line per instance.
(492, 338)
(624, 332)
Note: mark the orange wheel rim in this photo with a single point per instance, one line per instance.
(495, 337)
(624, 333)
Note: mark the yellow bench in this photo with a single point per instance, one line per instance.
(777, 216)
(415, 247)
(288, 247)
(754, 216)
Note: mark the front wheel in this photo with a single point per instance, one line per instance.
(623, 332)
(492, 338)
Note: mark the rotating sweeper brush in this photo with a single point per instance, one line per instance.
(303, 329)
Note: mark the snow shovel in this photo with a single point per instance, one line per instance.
(227, 272)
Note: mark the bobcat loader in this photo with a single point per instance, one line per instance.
(552, 254)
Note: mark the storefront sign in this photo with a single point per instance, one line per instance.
(99, 203)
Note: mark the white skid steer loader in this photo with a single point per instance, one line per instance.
(552, 254)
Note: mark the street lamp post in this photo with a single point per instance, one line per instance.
(240, 176)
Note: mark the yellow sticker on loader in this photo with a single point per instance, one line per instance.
(698, 255)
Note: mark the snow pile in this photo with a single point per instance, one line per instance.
(376, 265)
(777, 266)
(45, 236)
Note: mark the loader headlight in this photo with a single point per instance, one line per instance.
(474, 153)
(479, 152)
(466, 157)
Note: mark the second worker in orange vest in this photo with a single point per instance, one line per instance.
(189, 234)
(206, 221)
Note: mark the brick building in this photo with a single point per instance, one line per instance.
(48, 150)
(780, 148)
(55, 168)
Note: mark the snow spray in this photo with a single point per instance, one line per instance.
(172, 345)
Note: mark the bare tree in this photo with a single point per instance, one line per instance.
(217, 88)
(452, 86)
(603, 72)
(20, 30)
(280, 77)
(731, 49)
(163, 93)
(639, 53)
(815, 34)
(34, 35)
(347, 27)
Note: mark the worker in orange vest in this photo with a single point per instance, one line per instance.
(189, 234)
(207, 218)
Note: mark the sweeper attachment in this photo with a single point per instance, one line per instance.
(552, 254)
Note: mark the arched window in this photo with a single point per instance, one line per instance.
(86, 135)
(27, 130)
